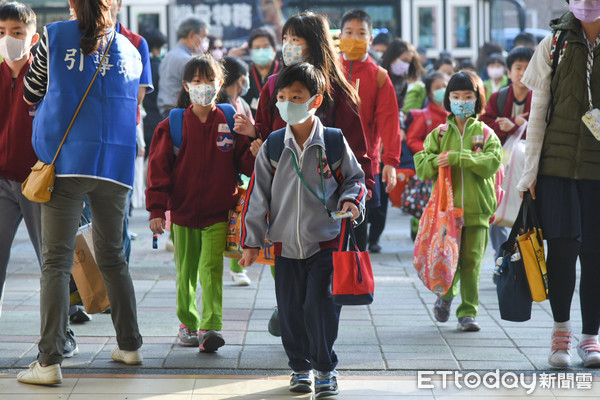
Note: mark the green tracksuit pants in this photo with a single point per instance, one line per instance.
(472, 249)
(199, 255)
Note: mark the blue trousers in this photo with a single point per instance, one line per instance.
(308, 318)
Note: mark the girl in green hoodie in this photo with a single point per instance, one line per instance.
(475, 154)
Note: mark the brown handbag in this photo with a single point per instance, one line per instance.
(39, 184)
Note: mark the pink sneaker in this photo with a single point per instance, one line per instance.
(187, 337)
(560, 353)
(589, 351)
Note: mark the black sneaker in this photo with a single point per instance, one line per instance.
(326, 384)
(70, 345)
(301, 382)
(374, 248)
(441, 309)
(274, 327)
(211, 341)
(468, 324)
(79, 315)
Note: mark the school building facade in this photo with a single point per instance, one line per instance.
(458, 26)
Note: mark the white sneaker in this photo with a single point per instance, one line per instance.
(589, 351)
(560, 353)
(240, 278)
(129, 357)
(38, 375)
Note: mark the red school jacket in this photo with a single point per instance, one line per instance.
(342, 115)
(492, 112)
(378, 111)
(423, 122)
(199, 184)
(16, 151)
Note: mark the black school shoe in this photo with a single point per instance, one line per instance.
(211, 341)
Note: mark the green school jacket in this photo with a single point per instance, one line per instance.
(474, 165)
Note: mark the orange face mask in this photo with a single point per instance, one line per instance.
(354, 49)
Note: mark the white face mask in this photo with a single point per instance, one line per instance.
(295, 113)
(202, 94)
(292, 54)
(12, 49)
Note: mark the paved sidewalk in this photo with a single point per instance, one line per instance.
(393, 338)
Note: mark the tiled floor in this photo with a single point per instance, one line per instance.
(381, 347)
(122, 387)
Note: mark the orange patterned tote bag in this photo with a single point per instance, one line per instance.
(437, 244)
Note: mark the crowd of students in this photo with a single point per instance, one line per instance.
(213, 117)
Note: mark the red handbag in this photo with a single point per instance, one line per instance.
(353, 283)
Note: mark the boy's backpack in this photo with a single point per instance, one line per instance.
(334, 145)
(176, 126)
(501, 99)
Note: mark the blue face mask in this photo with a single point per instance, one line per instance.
(294, 113)
(245, 87)
(439, 94)
(463, 108)
(263, 57)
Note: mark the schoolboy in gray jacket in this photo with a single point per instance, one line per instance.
(285, 202)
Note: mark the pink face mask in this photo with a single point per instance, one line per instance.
(586, 11)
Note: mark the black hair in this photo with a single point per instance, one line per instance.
(16, 11)
(466, 80)
(190, 25)
(525, 39)
(382, 38)
(207, 67)
(520, 53)
(305, 73)
(496, 57)
(155, 38)
(263, 31)
(314, 28)
(234, 69)
(467, 64)
(359, 15)
(396, 48)
(92, 23)
(444, 61)
(432, 77)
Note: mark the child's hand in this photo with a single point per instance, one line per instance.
(157, 225)
(248, 257)
(255, 146)
(243, 126)
(443, 159)
(520, 119)
(351, 207)
(388, 175)
(505, 124)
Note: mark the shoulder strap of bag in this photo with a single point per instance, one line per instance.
(83, 98)
(556, 51)
(334, 143)
(176, 127)
(229, 112)
(501, 99)
(275, 147)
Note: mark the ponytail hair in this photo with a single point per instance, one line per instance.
(93, 22)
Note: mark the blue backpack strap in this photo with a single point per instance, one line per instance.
(334, 146)
(176, 126)
(229, 112)
(275, 147)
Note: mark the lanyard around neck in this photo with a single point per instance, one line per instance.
(323, 200)
(590, 66)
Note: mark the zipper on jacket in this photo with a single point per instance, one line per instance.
(462, 175)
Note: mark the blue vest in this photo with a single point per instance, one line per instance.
(101, 143)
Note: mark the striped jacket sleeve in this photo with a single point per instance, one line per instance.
(36, 79)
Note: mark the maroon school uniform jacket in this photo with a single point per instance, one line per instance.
(492, 112)
(16, 152)
(198, 185)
